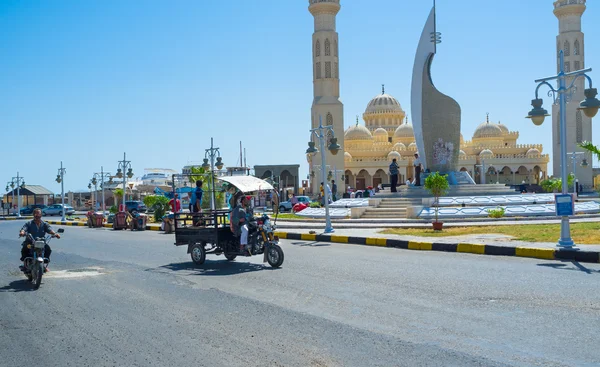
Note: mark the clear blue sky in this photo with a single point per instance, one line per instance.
(84, 81)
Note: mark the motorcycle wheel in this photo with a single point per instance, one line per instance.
(230, 257)
(38, 277)
(275, 256)
(198, 253)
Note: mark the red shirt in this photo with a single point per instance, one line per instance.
(176, 206)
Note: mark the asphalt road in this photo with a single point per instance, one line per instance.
(133, 299)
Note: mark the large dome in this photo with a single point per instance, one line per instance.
(503, 128)
(404, 131)
(357, 132)
(487, 130)
(383, 103)
(380, 135)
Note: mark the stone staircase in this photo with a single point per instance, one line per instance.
(391, 208)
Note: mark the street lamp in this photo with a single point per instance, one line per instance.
(212, 153)
(124, 165)
(20, 183)
(537, 115)
(584, 163)
(321, 134)
(482, 172)
(60, 179)
(101, 175)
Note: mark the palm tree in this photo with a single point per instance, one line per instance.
(587, 145)
(118, 193)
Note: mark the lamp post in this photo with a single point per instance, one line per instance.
(20, 183)
(321, 134)
(12, 185)
(101, 175)
(584, 163)
(483, 172)
(589, 106)
(124, 165)
(212, 153)
(60, 179)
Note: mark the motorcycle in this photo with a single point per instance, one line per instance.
(262, 239)
(35, 265)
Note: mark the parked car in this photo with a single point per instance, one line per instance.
(135, 207)
(57, 209)
(29, 208)
(287, 205)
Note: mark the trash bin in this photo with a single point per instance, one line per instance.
(90, 219)
(98, 220)
(120, 221)
(141, 222)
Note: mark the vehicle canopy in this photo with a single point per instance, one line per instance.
(247, 184)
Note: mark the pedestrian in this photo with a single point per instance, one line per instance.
(418, 165)
(175, 204)
(334, 190)
(394, 174)
(322, 195)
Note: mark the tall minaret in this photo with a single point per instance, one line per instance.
(579, 127)
(326, 80)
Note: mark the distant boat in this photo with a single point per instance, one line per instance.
(157, 177)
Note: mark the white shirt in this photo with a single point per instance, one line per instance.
(417, 162)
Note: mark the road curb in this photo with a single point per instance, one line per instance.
(478, 249)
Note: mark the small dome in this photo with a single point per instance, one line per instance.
(503, 128)
(394, 154)
(462, 153)
(404, 131)
(357, 132)
(486, 153)
(347, 157)
(488, 130)
(380, 135)
(533, 152)
(412, 146)
(399, 146)
(383, 103)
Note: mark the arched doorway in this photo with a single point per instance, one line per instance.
(362, 179)
(380, 178)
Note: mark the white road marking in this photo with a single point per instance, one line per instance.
(75, 273)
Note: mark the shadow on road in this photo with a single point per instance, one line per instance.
(21, 285)
(565, 266)
(215, 268)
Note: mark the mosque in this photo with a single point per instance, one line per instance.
(492, 155)
(386, 134)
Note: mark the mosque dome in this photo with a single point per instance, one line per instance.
(393, 154)
(347, 157)
(462, 153)
(399, 146)
(533, 152)
(384, 103)
(486, 153)
(503, 128)
(380, 135)
(404, 131)
(488, 130)
(357, 132)
(412, 146)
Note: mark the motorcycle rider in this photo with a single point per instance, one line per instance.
(38, 229)
(239, 225)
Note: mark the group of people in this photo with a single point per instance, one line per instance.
(394, 173)
(331, 192)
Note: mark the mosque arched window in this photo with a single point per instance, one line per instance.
(329, 119)
(567, 48)
(579, 127)
(327, 69)
(327, 47)
(318, 49)
(576, 48)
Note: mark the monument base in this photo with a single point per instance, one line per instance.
(454, 178)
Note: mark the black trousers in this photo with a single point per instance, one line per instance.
(25, 252)
(418, 174)
(394, 182)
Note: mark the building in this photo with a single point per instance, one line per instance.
(570, 40)
(370, 149)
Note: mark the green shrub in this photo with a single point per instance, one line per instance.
(113, 209)
(496, 213)
(315, 204)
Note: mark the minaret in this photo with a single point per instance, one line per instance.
(570, 40)
(326, 83)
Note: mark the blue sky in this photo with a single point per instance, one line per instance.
(85, 81)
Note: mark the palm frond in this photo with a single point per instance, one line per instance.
(587, 145)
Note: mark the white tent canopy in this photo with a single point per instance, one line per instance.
(247, 183)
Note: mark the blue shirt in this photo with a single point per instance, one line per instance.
(197, 197)
(37, 231)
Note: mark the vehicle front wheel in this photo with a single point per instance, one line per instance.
(282, 209)
(38, 276)
(198, 253)
(275, 256)
(230, 257)
(60, 213)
